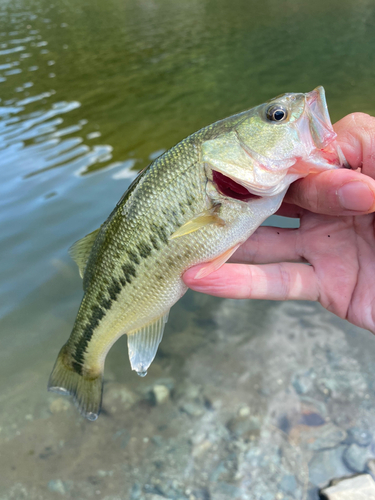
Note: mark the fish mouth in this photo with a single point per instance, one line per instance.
(228, 187)
(318, 131)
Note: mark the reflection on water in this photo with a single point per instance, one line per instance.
(91, 92)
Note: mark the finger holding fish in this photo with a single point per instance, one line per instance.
(268, 245)
(334, 192)
(342, 191)
(278, 281)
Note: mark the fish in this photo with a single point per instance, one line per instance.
(195, 204)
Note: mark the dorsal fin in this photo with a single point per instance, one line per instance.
(81, 249)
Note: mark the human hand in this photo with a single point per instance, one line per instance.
(336, 236)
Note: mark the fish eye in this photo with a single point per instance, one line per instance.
(277, 113)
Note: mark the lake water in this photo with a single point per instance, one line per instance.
(262, 397)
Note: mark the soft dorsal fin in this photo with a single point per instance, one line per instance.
(143, 344)
(81, 249)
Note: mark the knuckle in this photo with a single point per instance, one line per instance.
(285, 281)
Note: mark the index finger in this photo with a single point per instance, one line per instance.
(356, 136)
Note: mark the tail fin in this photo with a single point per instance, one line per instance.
(86, 392)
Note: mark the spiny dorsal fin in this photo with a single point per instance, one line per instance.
(201, 220)
(81, 249)
(143, 344)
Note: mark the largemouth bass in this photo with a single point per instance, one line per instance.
(194, 204)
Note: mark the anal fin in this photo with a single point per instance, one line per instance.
(201, 220)
(143, 344)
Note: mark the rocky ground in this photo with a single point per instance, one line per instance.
(247, 401)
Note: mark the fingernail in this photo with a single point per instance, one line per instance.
(356, 196)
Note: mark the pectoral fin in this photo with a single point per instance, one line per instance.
(203, 219)
(81, 249)
(215, 264)
(143, 344)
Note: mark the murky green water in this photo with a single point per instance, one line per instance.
(91, 91)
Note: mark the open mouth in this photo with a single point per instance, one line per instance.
(230, 188)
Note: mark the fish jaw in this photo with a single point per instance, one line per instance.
(316, 131)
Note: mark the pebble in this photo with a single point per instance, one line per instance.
(105, 473)
(244, 412)
(59, 405)
(201, 448)
(57, 486)
(317, 438)
(244, 427)
(302, 383)
(327, 464)
(359, 436)
(193, 409)
(119, 397)
(136, 492)
(288, 484)
(161, 393)
(229, 490)
(355, 457)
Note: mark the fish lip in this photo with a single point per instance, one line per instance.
(255, 192)
(320, 124)
(325, 152)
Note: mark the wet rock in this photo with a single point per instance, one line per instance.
(105, 473)
(244, 412)
(192, 391)
(326, 465)
(119, 397)
(122, 437)
(163, 488)
(355, 457)
(357, 487)
(136, 492)
(244, 427)
(192, 408)
(201, 494)
(157, 440)
(344, 387)
(302, 382)
(359, 436)
(370, 467)
(201, 448)
(224, 490)
(161, 394)
(58, 486)
(311, 405)
(318, 438)
(312, 419)
(59, 405)
(288, 484)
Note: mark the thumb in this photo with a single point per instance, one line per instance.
(334, 192)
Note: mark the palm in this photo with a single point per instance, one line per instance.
(341, 251)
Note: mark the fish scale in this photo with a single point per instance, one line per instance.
(177, 214)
